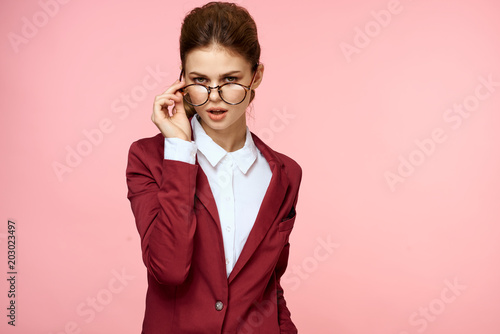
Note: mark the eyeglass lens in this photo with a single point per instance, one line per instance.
(230, 93)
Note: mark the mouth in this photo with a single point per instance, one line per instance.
(216, 111)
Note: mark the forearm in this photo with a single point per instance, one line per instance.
(170, 244)
(162, 204)
(284, 315)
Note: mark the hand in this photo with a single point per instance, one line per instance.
(173, 123)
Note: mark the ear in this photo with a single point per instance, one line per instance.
(258, 76)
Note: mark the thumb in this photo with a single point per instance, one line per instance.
(179, 106)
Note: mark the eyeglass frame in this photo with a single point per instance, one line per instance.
(219, 90)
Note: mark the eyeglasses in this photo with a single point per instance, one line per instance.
(231, 92)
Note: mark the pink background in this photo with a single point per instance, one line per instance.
(367, 256)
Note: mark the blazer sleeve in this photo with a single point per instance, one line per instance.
(163, 206)
(284, 316)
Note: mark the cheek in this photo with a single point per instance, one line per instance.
(244, 105)
(241, 108)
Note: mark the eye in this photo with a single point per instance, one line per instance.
(200, 80)
(231, 79)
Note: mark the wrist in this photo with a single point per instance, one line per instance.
(183, 137)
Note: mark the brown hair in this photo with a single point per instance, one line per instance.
(221, 24)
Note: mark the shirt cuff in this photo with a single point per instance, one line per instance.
(180, 150)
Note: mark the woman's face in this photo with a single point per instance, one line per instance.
(214, 66)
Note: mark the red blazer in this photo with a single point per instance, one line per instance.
(182, 247)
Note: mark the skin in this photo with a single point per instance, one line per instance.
(213, 63)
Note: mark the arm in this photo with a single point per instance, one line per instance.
(284, 316)
(163, 206)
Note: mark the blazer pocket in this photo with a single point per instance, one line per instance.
(286, 223)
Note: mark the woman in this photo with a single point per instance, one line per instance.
(213, 204)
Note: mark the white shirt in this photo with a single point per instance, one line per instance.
(238, 180)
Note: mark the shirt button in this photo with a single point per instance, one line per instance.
(227, 261)
(228, 228)
(219, 305)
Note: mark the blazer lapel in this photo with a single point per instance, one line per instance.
(269, 208)
(205, 195)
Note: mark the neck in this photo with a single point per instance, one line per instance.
(230, 139)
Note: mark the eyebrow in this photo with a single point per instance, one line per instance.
(222, 75)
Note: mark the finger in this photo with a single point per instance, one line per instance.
(176, 96)
(179, 105)
(163, 103)
(174, 87)
(161, 106)
(166, 104)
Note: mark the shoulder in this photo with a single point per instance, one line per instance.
(149, 141)
(148, 146)
(291, 167)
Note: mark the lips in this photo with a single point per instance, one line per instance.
(216, 111)
(216, 114)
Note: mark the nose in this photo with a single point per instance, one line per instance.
(214, 94)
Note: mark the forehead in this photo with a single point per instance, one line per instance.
(215, 61)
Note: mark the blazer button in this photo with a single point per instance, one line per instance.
(219, 305)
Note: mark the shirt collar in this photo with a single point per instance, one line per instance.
(244, 157)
